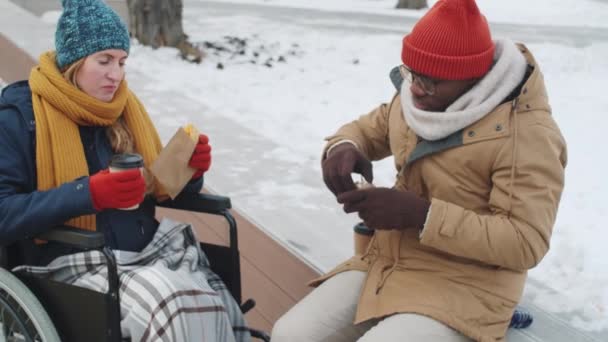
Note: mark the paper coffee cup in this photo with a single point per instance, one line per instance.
(124, 162)
(362, 236)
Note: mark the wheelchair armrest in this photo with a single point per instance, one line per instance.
(87, 240)
(259, 335)
(80, 238)
(202, 203)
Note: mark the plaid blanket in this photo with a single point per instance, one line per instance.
(167, 291)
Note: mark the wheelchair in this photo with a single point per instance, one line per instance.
(37, 309)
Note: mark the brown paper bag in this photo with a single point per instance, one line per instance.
(171, 167)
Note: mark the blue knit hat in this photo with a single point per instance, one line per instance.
(86, 27)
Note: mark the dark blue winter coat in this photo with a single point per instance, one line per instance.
(26, 212)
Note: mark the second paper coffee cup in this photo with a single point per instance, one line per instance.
(362, 236)
(126, 161)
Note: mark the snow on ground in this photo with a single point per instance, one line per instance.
(538, 12)
(577, 262)
(51, 17)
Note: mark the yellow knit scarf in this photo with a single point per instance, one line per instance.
(60, 107)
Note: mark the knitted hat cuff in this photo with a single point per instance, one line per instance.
(86, 50)
(447, 67)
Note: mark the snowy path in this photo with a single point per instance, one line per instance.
(392, 23)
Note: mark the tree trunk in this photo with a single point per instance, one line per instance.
(412, 4)
(158, 23)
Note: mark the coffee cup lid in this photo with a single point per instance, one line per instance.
(361, 228)
(127, 161)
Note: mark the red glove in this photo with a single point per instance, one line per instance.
(201, 157)
(117, 190)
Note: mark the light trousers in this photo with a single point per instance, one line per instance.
(328, 312)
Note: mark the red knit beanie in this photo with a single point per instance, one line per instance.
(450, 42)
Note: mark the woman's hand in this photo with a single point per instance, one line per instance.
(117, 190)
(201, 157)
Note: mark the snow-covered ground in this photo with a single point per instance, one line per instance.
(327, 77)
(538, 12)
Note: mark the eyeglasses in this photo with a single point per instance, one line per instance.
(425, 83)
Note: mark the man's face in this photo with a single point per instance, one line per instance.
(443, 94)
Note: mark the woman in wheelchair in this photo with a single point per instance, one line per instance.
(59, 132)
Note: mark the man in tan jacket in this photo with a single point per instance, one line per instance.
(480, 171)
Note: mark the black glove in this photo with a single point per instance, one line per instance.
(340, 163)
(383, 208)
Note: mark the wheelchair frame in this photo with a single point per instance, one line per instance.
(68, 305)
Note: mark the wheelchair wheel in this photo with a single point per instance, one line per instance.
(22, 317)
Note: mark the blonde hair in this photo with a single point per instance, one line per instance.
(118, 134)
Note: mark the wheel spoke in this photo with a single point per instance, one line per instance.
(16, 324)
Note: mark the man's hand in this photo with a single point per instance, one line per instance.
(340, 163)
(383, 208)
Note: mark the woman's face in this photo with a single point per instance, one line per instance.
(101, 74)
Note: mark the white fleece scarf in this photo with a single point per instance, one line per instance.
(507, 73)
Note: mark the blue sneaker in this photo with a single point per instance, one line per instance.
(521, 319)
